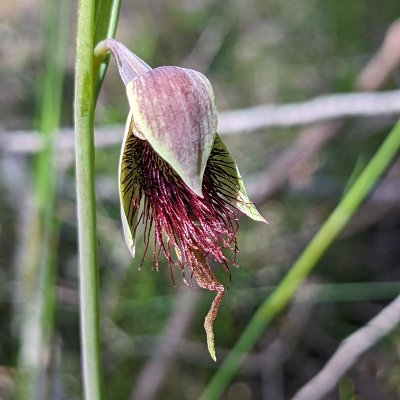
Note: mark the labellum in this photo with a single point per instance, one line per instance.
(176, 175)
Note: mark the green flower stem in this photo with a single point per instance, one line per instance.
(96, 20)
(280, 298)
(84, 140)
(107, 15)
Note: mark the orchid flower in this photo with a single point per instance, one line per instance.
(175, 174)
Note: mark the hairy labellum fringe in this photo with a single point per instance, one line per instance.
(186, 221)
(195, 228)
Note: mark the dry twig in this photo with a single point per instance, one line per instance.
(350, 351)
(313, 138)
(156, 369)
(385, 61)
(279, 350)
(323, 108)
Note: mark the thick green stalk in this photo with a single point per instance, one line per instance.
(96, 20)
(305, 263)
(84, 141)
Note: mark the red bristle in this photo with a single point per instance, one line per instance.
(186, 221)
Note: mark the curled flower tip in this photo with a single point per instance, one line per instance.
(129, 65)
(206, 279)
(209, 322)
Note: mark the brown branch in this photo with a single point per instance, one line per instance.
(312, 139)
(209, 43)
(322, 108)
(328, 107)
(279, 350)
(350, 351)
(154, 372)
(385, 61)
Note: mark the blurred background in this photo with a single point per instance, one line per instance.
(254, 52)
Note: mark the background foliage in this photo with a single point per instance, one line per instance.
(253, 52)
